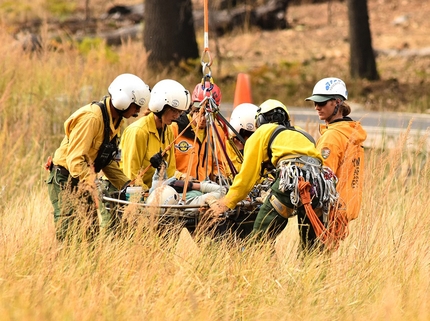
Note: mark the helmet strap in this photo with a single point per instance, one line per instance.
(335, 111)
(160, 113)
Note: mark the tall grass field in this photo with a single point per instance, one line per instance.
(381, 271)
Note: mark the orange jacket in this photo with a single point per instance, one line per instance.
(199, 153)
(341, 147)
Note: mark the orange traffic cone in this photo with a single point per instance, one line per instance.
(242, 92)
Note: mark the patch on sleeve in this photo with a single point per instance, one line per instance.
(325, 152)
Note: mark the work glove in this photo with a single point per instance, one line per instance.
(211, 200)
(263, 196)
(178, 185)
(156, 160)
(216, 210)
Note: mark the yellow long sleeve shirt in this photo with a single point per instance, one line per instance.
(84, 134)
(287, 143)
(235, 159)
(140, 141)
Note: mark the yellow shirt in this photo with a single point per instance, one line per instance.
(84, 134)
(288, 142)
(233, 156)
(140, 141)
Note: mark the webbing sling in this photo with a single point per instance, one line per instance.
(107, 150)
(105, 121)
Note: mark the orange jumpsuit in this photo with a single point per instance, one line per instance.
(341, 147)
(197, 152)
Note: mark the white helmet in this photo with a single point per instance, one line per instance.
(163, 195)
(169, 92)
(328, 88)
(243, 117)
(127, 89)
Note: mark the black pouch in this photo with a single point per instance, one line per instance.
(106, 154)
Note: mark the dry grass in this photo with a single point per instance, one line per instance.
(380, 272)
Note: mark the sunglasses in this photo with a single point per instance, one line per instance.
(322, 104)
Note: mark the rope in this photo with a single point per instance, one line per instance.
(193, 152)
(224, 150)
(209, 103)
(224, 125)
(337, 228)
(206, 53)
(206, 24)
(305, 197)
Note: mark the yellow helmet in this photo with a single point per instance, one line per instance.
(272, 111)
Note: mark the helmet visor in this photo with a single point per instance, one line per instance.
(320, 98)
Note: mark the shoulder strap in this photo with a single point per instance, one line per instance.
(275, 133)
(105, 120)
(281, 128)
(308, 136)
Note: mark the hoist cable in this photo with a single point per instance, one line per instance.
(224, 150)
(193, 152)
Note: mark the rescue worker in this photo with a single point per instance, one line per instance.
(293, 153)
(198, 152)
(341, 141)
(242, 119)
(89, 146)
(145, 142)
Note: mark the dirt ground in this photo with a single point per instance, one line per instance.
(319, 30)
(318, 39)
(287, 63)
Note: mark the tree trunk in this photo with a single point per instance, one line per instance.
(169, 36)
(362, 63)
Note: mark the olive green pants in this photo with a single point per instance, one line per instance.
(269, 223)
(75, 211)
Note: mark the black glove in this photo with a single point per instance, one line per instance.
(156, 160)
(74, 181)
(178, 185)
